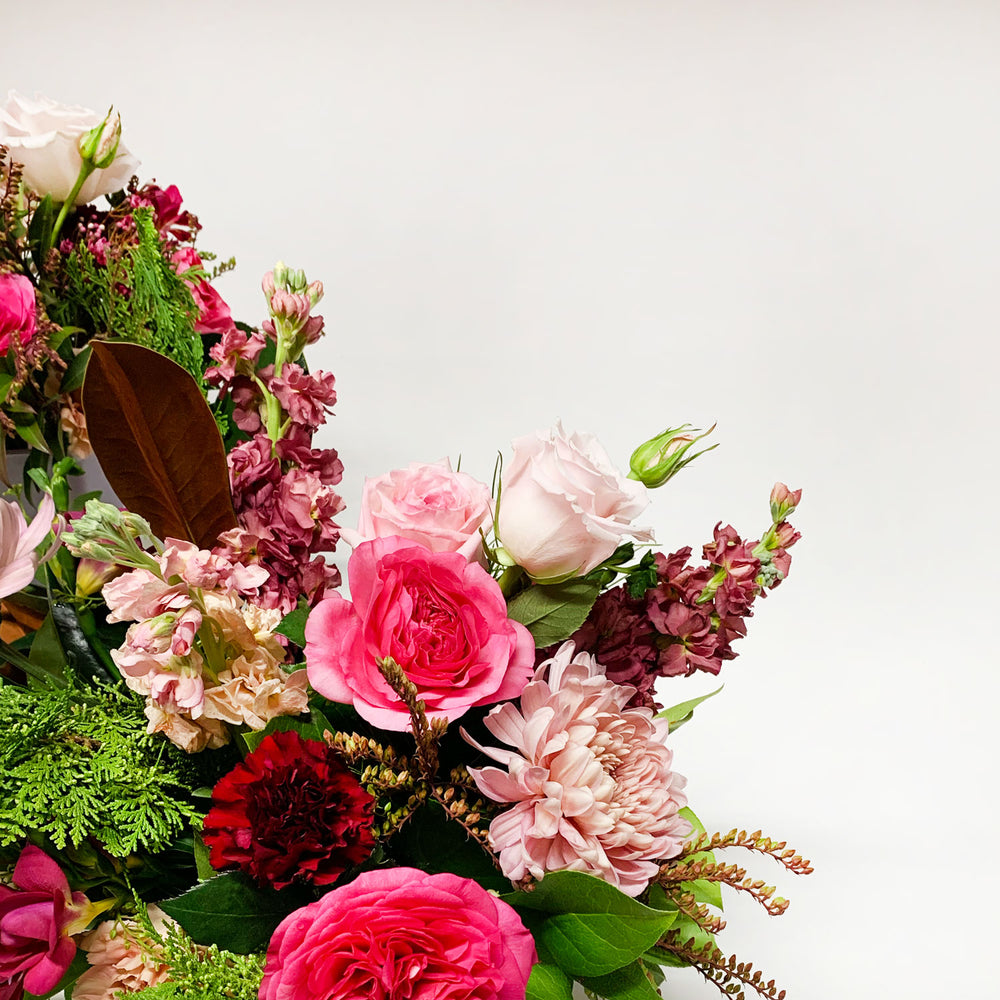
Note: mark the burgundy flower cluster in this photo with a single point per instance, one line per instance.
(690, 618)
(291, 812)
(283, 488)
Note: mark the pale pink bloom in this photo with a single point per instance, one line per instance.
(590, 780)
(141, 594)
(181, 691)
(564, 508)
(207, 570)
(426, 503)
(18, 541)
(123, 959)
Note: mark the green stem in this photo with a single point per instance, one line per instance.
(86, 169)
(510, 580)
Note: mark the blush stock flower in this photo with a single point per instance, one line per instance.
(590, 780)
(401, 933)
(442, 619)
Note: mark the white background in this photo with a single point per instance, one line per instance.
(781, 216)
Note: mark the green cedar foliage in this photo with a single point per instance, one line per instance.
(204, 973)
(135, 295)
(77, 764)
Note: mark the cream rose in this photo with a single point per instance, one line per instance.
(43, 136)
(426, 503)
(564, 508)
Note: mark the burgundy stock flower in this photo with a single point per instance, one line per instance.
(291, 812)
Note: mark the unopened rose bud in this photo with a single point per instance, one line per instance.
(783, 502)
(99, 146)
(662, 457)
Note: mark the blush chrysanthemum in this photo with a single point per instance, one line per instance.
(591, 780)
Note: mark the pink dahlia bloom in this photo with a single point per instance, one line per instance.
(399, 932)
(590, 780)
(441, 618)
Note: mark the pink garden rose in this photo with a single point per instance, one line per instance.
(214, 315)
(17, 310)
(564, 508)
(430, 504)
(37, 915)
(399, 932)
(43, 135)
(442, 619)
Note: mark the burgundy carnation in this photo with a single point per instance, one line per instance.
(291, 812)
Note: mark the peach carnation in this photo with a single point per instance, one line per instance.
(122, 957)
(590, 780)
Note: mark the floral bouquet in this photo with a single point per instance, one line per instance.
(221, 775)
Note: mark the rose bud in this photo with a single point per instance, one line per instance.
(662, 457)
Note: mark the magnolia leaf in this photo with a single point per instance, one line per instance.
(628, 983)
(157, 442)
(230, 911)
(554, 612)
(677, 715)
(591, 928)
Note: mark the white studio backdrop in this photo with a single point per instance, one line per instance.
(781, 216)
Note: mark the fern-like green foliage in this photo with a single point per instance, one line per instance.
(198, 972)
(78, 764)
(135, 295)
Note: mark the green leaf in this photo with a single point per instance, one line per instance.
(554, 612)
(677, 715)
(73, 376)
(592, 928)
(39, 230)
(231, 912)
(300, 724)
(46, 650)
(32, 435)
(201, 859)
(704, 890)
(293, 625)
(5, 384)
(433, 842)
(548, 982)
(628, 983)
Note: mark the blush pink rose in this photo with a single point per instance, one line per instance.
(430, 504)
(17, 310)
(399, 932)
(36, 916)
(442, 619)
(564, 508)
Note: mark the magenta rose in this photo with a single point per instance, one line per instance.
(37, 914)
(442, 619)
(17, 309)
(399, 932)
(430, 504)
(213, 313)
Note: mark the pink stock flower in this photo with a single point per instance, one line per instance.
(214, 315)
(399, 932)
(18, 541)
(122, 957)
(426, 503)
(442, 619)
(235, 350)
(590, 779)
(17, 310)
(728, 551)
(37, 915)
(305, 397)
